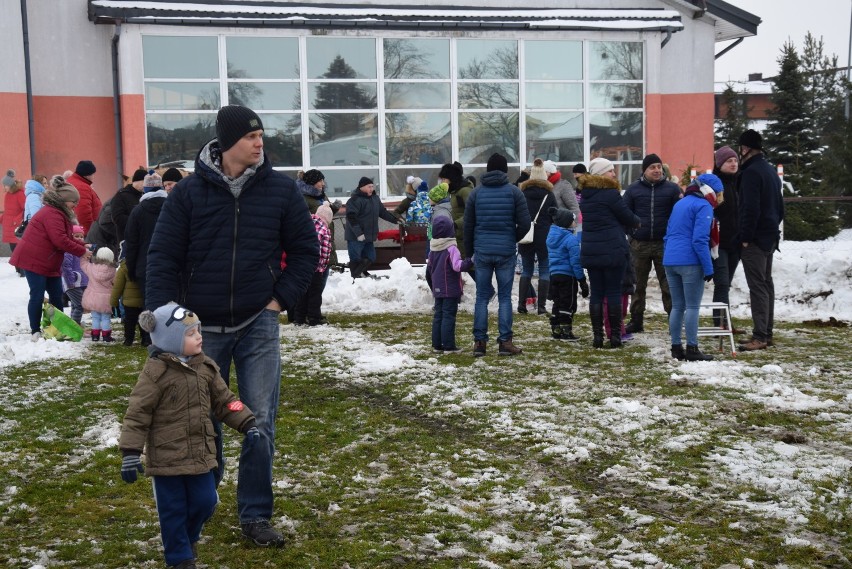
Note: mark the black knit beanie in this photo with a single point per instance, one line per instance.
(234, 122)
(497, 162)
(311, 177)
(650, 159)
(364, 181)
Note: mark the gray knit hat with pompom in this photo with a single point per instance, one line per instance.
(168, 325)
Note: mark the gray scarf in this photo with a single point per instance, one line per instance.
(441, 243)
(212, 156)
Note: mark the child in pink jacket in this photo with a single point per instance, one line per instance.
(96, 299)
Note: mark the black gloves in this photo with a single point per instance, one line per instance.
(584, 288)
(708, 278)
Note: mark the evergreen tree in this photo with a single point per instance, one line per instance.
(735, 121)
(341, 96)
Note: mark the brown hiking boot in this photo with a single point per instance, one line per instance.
(478, 348)
(507, 348)
(752, 345)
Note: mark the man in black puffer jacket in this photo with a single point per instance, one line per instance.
(652, 198)
(235, 244)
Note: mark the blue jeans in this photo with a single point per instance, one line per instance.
(256, 353)
(184, 504)
(39, 284)
(487, 266)
(361, 250)
(101, 321)
(686, 284)
(444, 323)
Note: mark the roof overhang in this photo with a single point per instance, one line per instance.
(732, 22)
(232, 13)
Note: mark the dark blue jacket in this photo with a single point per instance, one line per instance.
(604, 219)
(563, 250)
(362, 216)
(761, 203)
(496, 216)
(140, 230)
(653, 204)
(687, 240)
(728, 213)
(220, 255)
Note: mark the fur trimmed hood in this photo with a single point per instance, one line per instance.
(598, 182)
(536, 183)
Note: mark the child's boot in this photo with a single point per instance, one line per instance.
(107, 335)
(146, 339)
(96, 335)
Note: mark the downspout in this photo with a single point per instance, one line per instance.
(668, 37)
(29, 85)
(116, 104)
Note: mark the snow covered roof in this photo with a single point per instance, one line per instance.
(303, 15)
(749, 87)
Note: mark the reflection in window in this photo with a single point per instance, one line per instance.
(615, 95)
(263, 58)
(482, 134)
(488, 95)
(553, 60)
(554, 95)
(614, 60)
(417, 59)
(344, 139)
(417, 95)
(396, 177)
(178, 136)
(282, 138)
(261, 96)
(343, 95)
(487, 59)
(418, 138)
(324, 55)
(341, 183)
(180, 57)
(181, 96)
(616, 136)
(555, 136)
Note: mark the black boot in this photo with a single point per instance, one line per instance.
(596, 316)
(543, 289)
(677, 352)
(693, 354)
(614, 314)
(523, 291)
(359, 268)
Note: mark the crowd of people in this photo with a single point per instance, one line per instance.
(223, 252)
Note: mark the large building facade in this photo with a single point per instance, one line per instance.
(356, 89)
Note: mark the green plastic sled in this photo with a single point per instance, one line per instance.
(59, 326)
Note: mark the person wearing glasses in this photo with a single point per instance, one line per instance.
(217, 249)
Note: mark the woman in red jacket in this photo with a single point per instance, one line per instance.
(42, 248)
(13, 214)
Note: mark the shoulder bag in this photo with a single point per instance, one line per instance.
(528, 238)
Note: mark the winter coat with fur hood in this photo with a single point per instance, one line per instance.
(169, 415)
(605, 217)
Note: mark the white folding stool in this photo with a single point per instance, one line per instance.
(726, 328)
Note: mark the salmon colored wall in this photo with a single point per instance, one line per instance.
(15, 147)
(70, 129)
(133, 132)
(680, 129)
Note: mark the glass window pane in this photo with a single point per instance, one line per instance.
(615, 60)
(554, 95)
(344, 139)
(482, 134)
(181, 96)
(396, 178)
(282, 138)
(417, 95)
(553, 60)
(417, 59)
(418, 138)
(341, 58)
(514, 173)
(488, 95)
(183, 57)
(258, 96)
(341, 183)
(554, 136)
(263, 58)
(175, 137)
(616, 136)
(628, 173)
(615, 95)
(487, 59)
(343, 95)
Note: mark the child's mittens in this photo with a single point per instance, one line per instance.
(584, 288)
(252, 436)
(466, 264)
(131, 466)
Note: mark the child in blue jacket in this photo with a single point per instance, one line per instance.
(566, 273)
(444, 269)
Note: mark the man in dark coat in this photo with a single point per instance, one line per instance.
(363, 211)
(652, 197)
(761, 214)
(496, 216)
(217, 249)
(124, 201)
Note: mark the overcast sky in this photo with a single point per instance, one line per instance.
(783, 19)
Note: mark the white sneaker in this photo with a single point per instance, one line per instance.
(36, 336)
